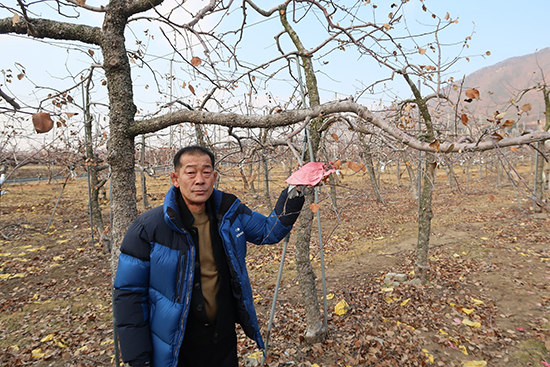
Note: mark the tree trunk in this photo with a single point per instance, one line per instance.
(425, 216)
(315, 328)
(413, 182)
(315, 331)
(370, 169)
(540, 161)
(267, 195)
(539, 182)
(453, 180)
(121, 116)
(93, 167)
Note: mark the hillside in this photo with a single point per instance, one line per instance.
(500, 82)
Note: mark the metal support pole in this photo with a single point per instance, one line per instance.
(276, 294)
(88, 122)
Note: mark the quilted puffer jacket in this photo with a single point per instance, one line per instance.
(153, 283)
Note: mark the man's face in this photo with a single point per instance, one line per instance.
(195, 179)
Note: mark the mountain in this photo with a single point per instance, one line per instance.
(499, 83)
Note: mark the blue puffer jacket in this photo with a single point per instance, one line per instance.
(153, 283)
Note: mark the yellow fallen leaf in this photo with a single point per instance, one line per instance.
(4, 276)
(471, 323)
(37, 353)
(463, 349)
(429, 356)
(36, 249)
(315, 365)
(58, 258)
(379, 238)
(386, 289)
(5, 254)
(14, 347)
(467, 311)
(108, 341)
(443, 332)
(405, 302)
(389, 299)
(47, 338)
(330, 296)
(257, 356)
(83, 348)
(60, 344)
(477, 302)
(474, 364)
(18, 275)
(341, 308)
(452, 304)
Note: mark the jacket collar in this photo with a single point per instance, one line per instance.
(176, 213)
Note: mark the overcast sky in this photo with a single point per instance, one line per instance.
(506, 28)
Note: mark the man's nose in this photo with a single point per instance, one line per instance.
(199, 178)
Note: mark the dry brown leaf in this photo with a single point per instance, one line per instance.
(435, 145)
(42, 122)
(387, 26)
(20, 76)
(15, 19)
(421, 50)
(464, 119)
(196, 61)
(91, 52)
(450, 148)
(356, 167)
(192, 89)
(334, 136)
(81, 2)
(472, 93)
(525, 108)
(497, 136)
(514, 149)
(508, 123)
(337, 164)
(314, 207)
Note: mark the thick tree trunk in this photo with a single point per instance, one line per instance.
(315, 331)
(121, 115)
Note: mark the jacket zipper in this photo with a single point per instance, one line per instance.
(189, 269)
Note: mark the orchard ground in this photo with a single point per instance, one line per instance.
(487, 299)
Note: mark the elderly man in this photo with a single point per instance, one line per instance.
(182, 283)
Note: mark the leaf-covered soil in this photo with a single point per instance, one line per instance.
(487, 299)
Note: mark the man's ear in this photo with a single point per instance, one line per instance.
(174, 178)
(215, 175)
